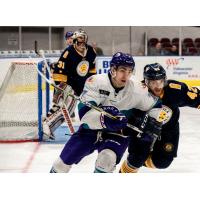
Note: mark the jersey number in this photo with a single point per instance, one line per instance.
(61, 64)
(192, 93)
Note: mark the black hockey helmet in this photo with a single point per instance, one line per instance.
(154, 72)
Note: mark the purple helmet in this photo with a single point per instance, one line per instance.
(68, 34)
(122, 59)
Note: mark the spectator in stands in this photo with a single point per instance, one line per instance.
(68, 38)
(157, 50)
(173, 51)
(98, 50)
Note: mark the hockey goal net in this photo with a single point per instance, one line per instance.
(23, 103)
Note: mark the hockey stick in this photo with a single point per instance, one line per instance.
(155, 136)
(64, 110)
(67, 118)
(41, 54)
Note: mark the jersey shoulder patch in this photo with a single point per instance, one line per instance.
(174, 84)
(65, 54)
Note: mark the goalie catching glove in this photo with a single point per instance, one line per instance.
(113, 124)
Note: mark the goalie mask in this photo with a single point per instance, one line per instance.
(80, 39)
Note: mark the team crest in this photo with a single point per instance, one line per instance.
(165, 114)
(82, 68)
(161, 115)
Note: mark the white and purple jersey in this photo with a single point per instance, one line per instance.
(99, 91)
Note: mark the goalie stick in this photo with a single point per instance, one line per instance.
(64, 110)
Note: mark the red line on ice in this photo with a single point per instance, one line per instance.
(31, 158)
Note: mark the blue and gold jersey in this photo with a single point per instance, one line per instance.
(177, 94)
(74, 68)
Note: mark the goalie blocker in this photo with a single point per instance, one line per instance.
(55, 116)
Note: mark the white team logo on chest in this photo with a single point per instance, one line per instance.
(82, 68)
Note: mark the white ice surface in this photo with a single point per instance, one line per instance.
(29, 157)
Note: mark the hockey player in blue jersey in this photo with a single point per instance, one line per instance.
(75, 65)
(117, 94)
(69, 38)
(174, 94)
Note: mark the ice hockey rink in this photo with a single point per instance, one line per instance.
(34, 157)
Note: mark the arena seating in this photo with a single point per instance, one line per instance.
(190, 46)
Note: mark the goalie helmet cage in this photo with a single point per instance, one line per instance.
(24, 102)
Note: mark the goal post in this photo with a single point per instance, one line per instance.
(24, 102)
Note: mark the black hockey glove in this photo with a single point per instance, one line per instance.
(151, 128)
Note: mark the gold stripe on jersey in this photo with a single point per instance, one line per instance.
(125, 168)
(59, 77)
(149, 163)
(93, 70)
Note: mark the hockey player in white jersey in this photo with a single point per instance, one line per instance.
(117, 94)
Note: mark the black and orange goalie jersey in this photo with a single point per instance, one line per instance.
(73, 68)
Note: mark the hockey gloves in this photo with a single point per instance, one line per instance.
(151, 128)
(113, 124)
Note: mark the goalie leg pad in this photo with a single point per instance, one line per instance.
(60, 167)
(60, 96)
(106, 161)
(53, 121)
